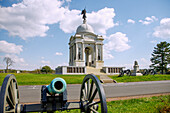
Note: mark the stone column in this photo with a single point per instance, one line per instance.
(96, 52)
(83, 51)
(102, 52)
(69, 54)
(72, 52)
(76, 51)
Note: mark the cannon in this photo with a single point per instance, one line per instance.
(149, 72)
(54, 97)
(127, 72)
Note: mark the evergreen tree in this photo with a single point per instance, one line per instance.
(161, 57)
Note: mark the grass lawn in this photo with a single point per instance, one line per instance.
(42, 79)
(140, 78)
(142, 105)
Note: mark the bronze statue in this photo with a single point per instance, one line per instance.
(84, 14)
(136, 63)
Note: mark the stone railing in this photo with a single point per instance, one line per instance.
(112, 70)
(71, 70)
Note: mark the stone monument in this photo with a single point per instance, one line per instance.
(136, 70)
(86, 53)
(85, 47)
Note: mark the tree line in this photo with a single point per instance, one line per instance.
(9, 62)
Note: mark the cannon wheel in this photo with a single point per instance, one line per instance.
(9, 95)
(128, 72)
(121, 73)
(91, 88)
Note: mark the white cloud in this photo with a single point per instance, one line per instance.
(144, 63)
(163, 31)
(148, 20)
(130, 21)
(107, 54)
(63, 64)
(45, 62)
(102, 20)
(42, 57)
(153, 41)
(117, 42)
(31, 18)
(70, 21)
(6, 47)
(68, 0)
(12, 50)
(15, 58)
(58, 53)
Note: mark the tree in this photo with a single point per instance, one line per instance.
(46, 69)
(9, 62)
(161, 57)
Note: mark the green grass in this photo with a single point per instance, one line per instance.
(140, 78)
(42, 79)
(142, 105)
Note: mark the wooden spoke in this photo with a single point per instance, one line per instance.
(9, 101)
(91, 89)
(92, 104)
(93, 110)
(84, 95)
(15, 92)
(93, 96)
(85, 88)
(88, 87)
(11, 92)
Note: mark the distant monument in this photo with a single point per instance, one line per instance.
(136, 70)
(86, 53)
(136, 67)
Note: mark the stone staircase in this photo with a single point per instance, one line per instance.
(92, 70)
(103, 76)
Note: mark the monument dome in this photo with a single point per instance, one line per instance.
(84, 28)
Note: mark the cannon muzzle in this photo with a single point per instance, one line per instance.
(57, 86)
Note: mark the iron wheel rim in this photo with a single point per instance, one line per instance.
(9, 95)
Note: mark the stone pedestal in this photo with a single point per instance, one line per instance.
(136, 74)
(136, 70)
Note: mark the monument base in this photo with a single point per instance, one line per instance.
(136, 74)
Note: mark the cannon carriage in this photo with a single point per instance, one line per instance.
(54, 97)
(127, 72)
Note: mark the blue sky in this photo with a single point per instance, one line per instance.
(35, 33)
